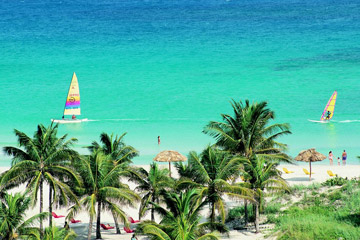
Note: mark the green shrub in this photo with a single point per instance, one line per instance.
(272, 208)
(315, 226)
(336, 195)
(271, 218)
(239, 212)
(336, 181)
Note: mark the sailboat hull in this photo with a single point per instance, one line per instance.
(65, 121)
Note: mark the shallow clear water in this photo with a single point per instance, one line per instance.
(166, 68)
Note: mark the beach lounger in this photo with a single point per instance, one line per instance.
(128, 230)
(307, 172)
(74, 221)
(287, 171)
(133, 221)
(56, 216)
(331, 174)
(106, 227)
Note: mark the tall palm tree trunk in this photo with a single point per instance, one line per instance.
(116, 223)
(212, 214)
(246, 212)
(41, 207)
(152, 208)
(98, 233)
(50, 205)
(90, 227)
(257, 216)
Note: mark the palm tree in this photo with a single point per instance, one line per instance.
(249, 132)
(150, 185)
(120, 153)
(55, 233)
(12, 217)
(115, 147)
(42, 159)
(180, 221)
(262, 175)
(211, 172)
(100, 175)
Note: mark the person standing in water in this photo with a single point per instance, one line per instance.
(331, 157)
(338, 160)
(158, 140)
(344, 156)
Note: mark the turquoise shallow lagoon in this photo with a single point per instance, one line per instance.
(166, 68)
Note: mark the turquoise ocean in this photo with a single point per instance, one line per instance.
(166, 68)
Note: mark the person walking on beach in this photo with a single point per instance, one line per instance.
(134, 237)
(344, 156)
(331, 157)
(338, 161)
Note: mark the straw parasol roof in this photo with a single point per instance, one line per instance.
(310, 155)
(170, 156)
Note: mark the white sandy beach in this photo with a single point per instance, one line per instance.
(296, 178)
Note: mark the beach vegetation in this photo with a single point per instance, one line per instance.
(44, 158)
(334, 214)
(262, 176)
(180, 220)
(121, 154)
(213, 172)
(102, 189)
(14, 223)
(248, 133)
(55, 233)
(150, 184)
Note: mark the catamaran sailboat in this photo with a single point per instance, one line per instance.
(72, 104)
(328, 112)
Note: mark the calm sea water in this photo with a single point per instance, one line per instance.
(166, 68)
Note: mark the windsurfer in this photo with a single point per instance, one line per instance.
(328, 114)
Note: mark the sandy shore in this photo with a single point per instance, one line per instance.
(296, 178)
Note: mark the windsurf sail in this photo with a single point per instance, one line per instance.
(330, 108)
(72, 105)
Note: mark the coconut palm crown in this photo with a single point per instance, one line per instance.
(12, 217)
(102, 189)
(212, 172)
(45, 158)
(248, 131)
(180, 219)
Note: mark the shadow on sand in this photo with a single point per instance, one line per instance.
(298, 179)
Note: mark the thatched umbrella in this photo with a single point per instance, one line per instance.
(310, 155)
(170, 156)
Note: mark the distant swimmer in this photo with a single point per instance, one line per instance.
(158, 140)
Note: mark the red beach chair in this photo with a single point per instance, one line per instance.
(56, 216)
(128, 230)
(74, 221)
(106, 227)
(133, 221)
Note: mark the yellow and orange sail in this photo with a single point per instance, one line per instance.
(329, 108)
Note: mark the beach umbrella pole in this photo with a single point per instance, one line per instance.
(310, 169)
